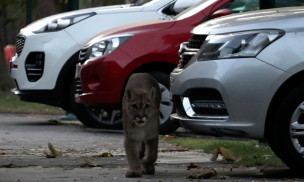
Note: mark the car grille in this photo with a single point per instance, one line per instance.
(197, 41)
(189, 49)
(202, 103)
(34, 66)
(207, 97)
(180, 109)
(20, 44)
(78, 86)
(83, 55)
(82, 58)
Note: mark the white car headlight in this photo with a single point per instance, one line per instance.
(62, 23)
(108, 45)
(237, 45)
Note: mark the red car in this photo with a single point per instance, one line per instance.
(110, 58)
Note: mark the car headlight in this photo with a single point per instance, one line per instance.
(108, 45)
(62, 23)
(237, 45)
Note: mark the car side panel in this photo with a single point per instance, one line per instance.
(286, 53)
(99, 23)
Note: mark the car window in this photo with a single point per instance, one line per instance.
(146, 2)
(286, 3)
(194, 9)
(238, 6)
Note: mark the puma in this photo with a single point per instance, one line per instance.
(140, 114)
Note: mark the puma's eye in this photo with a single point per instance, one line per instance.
(134, 106)
(146, 106)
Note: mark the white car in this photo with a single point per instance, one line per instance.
(47, 50)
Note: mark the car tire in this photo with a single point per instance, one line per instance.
(94, 117)
(285, 137)
(166, 106)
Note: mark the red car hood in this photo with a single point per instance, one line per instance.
(146, 26)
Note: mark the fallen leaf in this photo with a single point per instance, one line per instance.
(170, 138)
(208, 173)
(1, 153)
(105, 144)
(54, 152)
(221, 177)
(192, 165)
(105, 154)
(227, 154)
(90, 164)
(95, 142)
(39, 146)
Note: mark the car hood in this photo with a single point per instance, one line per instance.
(134, 28)
(99, 10)
(288, 19)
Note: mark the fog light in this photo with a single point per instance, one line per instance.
(209, 105)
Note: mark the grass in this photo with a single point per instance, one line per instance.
(10, 103)
(251, 152)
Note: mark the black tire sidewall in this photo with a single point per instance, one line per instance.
(280, 134)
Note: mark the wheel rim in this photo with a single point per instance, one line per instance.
(297, 129)
(108, 117)
(112, 117)
(166, 106)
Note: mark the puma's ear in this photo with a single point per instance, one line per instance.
(151, 93)
(130, 93)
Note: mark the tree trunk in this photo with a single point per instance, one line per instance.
(6, 82)
(97, 3)
(46, 8)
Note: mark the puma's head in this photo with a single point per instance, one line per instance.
(140, 105)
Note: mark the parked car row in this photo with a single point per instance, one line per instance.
(48, 50)
(240, 75)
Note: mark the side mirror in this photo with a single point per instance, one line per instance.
(181, 5)
(221, 12)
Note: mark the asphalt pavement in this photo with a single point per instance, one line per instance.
(24, 146)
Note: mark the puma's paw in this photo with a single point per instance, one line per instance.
(133, 174)
(149, 170)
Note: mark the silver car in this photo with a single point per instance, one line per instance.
(243, 75)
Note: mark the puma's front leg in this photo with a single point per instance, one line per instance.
(132, 149)
(151, 156)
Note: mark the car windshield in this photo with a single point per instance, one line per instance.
(145, 2)
(194, 9)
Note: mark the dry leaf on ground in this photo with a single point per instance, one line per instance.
(54, 152)
(192, 165)
(227, 154)
(208, 173)
(105, 154)
(1, 153)
(90, 164)
(170, 137)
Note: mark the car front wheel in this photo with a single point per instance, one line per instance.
(287, 131)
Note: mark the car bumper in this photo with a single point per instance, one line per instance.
(57, 48)
(103, 79)
(49, 97)
(246, 87)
